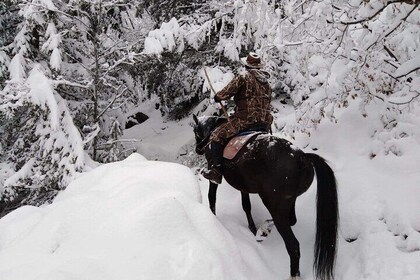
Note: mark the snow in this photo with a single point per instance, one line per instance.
(55, 60)
(48, 4)
(17, 68)
(25, 169)
(123, 220)
(408, 66)
(159, 139)
(4, 63)
(52, 44)
(5, 172)
(152, 46)
(42, 93)
(164, 38)
(141, 218)
(218, 79)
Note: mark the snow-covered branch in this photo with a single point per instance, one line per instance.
(373, 12)
(408, 67)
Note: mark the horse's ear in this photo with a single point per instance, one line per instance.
(195, 118)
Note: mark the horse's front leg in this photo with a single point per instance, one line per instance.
(246, 205)
(212, 196)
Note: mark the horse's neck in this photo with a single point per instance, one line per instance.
(214, 122)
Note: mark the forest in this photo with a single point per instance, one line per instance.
(99, 172)
(74, 73)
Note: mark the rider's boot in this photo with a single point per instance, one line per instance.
(214, 174)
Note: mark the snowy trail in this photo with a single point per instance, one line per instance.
(379, 253)
(379, 202)
(150, 219)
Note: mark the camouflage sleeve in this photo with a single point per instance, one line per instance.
(230, 90)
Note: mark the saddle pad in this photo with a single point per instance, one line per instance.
(236, 144)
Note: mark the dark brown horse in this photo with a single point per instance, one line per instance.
(279, 172)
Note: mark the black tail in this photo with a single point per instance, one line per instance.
(326, 219)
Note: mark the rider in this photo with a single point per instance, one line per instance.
(252, 95)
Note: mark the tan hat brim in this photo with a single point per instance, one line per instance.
(244, 62)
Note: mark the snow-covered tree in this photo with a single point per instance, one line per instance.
(100, 47)
(323, 54)
(39, 138)
(45, 146)
(83, 53)
(384, 64)
(90, 47)
(98, 59)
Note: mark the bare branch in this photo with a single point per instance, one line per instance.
(389, 51)
(110, 104)
(391, 30)
(372, 16)
(411, 2)
(341, 39)
(72, 84)
(405, 74)
(406, 102)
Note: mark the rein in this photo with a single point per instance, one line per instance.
(206, 139)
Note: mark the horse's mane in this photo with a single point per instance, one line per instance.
(209, 123)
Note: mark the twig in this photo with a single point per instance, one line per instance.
(391, 30)
(372, 16)
(405, 74)
(68, 83)
(211, 87)
(110, 104)
(341, 39)
(388, 50)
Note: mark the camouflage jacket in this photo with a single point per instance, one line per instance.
(252, 95)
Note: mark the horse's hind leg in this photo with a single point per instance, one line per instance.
(292, 214)
(246, 205)
(212, 197)
(292, 244)
(280, 213)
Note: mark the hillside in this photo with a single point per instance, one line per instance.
(149, 219)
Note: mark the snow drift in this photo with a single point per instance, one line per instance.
(134, 219)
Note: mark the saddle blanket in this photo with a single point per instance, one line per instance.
(236, 144)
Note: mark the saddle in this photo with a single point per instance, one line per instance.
(241, 139)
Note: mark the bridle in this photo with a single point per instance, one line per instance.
(202, 145)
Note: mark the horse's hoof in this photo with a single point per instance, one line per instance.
(295, 278)
(264, 230)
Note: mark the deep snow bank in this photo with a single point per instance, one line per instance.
(134, 219)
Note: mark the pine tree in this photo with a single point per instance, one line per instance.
(100, 46)
(39, 138)
(45, 146)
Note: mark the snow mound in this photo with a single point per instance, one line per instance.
(134, 219)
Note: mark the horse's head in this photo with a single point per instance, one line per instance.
(203, 126)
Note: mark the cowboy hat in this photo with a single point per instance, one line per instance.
(253, 60)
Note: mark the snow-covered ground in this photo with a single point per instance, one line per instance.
(134, 219)
(140, 219)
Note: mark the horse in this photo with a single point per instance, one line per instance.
(279, 172)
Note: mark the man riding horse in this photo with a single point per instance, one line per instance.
(252, 95)
(271, 167)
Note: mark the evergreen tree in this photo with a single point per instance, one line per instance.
(45, 146)
(100, 47)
